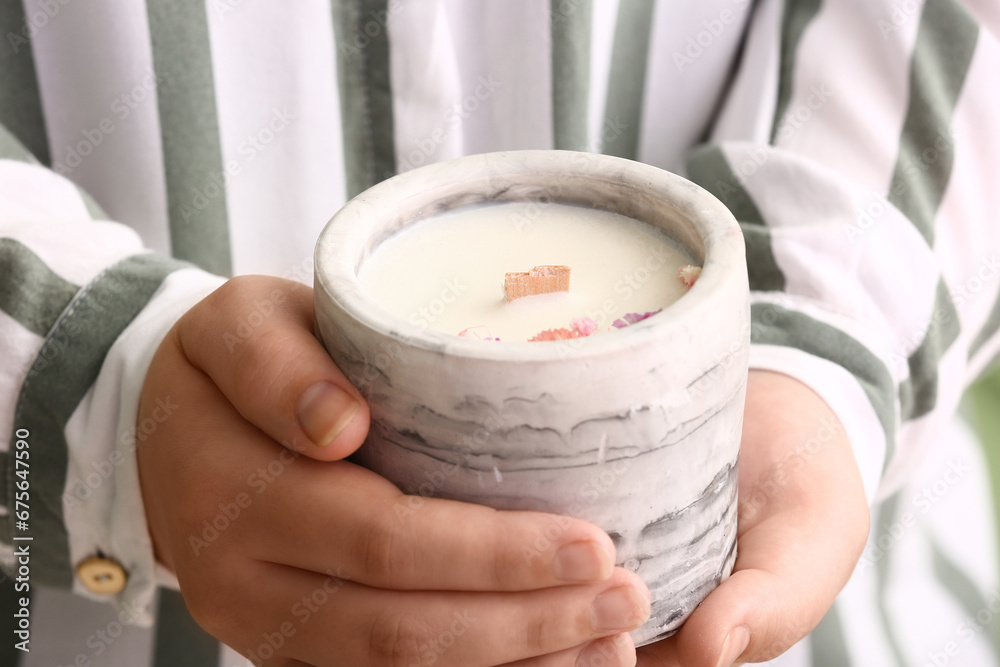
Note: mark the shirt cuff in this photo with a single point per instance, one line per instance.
(105, 513)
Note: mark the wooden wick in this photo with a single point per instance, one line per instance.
(540, 280)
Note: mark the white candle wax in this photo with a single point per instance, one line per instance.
(447, 273)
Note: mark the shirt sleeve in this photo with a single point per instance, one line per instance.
(83, 307)
(858, 146)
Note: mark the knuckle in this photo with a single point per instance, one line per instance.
(394, 640)
(383, 555)
(516, 563)
(502, 563)
(539, 630)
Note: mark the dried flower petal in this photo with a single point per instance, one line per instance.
(688, 274)
(470, 333)
(585, 326)
(632, 318)
(581, 327)
(552, 334)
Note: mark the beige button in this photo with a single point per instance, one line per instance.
(101, 575)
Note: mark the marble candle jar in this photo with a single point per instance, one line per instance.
(636, 430)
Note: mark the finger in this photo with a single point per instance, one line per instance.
(286, 508)
(329, 621)
(339, 514)
(253, 337)
(614, 651)
(754, 616)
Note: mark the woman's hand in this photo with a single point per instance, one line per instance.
(803, 522)
(298, 561)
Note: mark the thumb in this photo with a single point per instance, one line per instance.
(803, 522)
(254, 338)
(766, 606)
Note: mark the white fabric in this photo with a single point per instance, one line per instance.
(102, 435)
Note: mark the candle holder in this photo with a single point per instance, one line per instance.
(636, 430)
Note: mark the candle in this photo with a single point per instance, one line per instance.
(447, 273)
(637, 431)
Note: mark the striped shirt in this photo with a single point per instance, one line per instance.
(856, 141)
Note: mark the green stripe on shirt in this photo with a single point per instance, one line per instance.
(882, 523)
(11, 148)
(828, 642)
(963, 589)
(362, 42)
(20, 101)
(980, 405)
(918, 393)
(946, 40)
(189, 129)
(772, 324)
(30, 292)
(570, 27)
(707, 166)
(627, 78)
(66, 367)
(797, 15)
(990, 328)
(10, 655)
(179, 640)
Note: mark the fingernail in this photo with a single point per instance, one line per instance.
(736, 642)
(582, 561)
(622, 608)
(618, 650)
(324, 411)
